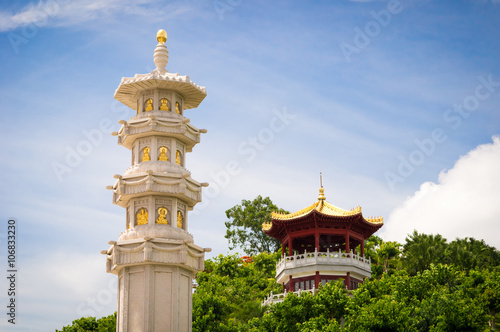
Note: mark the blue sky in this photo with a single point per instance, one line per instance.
(396, 102)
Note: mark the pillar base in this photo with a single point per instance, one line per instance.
(154, 283)
(154, 298)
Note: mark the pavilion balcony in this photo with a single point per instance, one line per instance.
(325, 262)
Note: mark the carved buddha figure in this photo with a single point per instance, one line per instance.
(179, 219)
(149, 105)
(178, 157)
(142, 217)
(163, 154)
(164, 105)
(145, 155)
(162, 216)
(177, 108)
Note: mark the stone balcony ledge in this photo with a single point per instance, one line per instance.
(334, 258)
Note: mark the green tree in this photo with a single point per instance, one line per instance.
(385, 256)
(388, 255)
(439, 299)
(244, 228)
(287, 316)
(230, 291)
(307, 312)
(422, 250)
(319, 324)
(91, 324)
(372, 244)
(332, 300)
(469, 253)
(488, 284)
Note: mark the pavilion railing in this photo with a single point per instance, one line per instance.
(276, 298)
(327, 258)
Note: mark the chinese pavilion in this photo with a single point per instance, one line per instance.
(320, 241)
(155, 257)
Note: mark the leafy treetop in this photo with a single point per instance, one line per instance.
(244, 228)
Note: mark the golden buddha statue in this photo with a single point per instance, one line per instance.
(178, 157)
(145, 155)
(142, 217)
(149, 105)
(179, 219)
(163, 154)
(162, 216)
(177, 110)
(164, 105)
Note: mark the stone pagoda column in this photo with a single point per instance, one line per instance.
(155, 257)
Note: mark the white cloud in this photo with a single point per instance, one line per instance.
(64, 13)
(464, 203)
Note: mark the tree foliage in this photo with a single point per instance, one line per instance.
(422, 250)
(469, 253)
(439, 299)
(321, 312)
(91, 324)
(230, 291)
(385, 256)
(244, 228)
(424, 285)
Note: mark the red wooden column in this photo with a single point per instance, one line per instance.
(317, 280)
(292, 286)
(283, 248)
(347, 249)
(290, 249)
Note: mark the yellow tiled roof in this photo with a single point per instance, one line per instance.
(323, 207)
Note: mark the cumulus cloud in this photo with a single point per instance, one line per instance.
(464, 203)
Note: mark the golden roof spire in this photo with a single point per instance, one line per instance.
(321, 190)
(321, 196)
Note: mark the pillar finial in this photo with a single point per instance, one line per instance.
(161, 52)
(161, 36)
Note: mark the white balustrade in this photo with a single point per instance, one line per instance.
(325, 258)
(276, 298)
